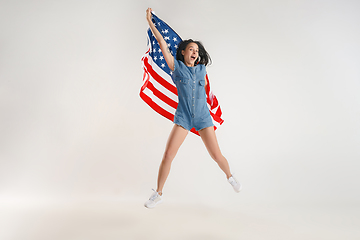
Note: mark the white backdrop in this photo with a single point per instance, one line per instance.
(286, 74)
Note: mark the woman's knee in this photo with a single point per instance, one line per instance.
(217, 156)
(168, 156)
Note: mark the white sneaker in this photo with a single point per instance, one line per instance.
(235, 183)
(154, 199)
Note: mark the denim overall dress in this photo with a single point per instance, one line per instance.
(192, 110)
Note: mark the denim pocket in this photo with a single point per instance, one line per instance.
(184, 81)
(201, 89)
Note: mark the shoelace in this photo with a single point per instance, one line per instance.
(233, 182)
(154, 195)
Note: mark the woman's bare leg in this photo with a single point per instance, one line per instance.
(209, 138)
(176, 138)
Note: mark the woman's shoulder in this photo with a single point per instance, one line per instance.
(202, 67)
(177, 64)
(178, 69)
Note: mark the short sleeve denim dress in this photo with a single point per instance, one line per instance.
(192, 110)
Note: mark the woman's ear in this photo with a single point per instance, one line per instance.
(182, 52)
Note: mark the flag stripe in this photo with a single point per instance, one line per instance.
(161, 96)
(158, 101)
(156, 107)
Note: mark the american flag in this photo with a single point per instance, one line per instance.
(158, 89)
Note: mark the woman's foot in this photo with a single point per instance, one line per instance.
(235, 183)
(154, 199)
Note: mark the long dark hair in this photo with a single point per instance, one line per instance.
(204, 57)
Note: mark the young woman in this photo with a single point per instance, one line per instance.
(189, 70)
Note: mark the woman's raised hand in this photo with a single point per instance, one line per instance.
(148, 14)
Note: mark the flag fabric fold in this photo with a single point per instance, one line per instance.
(158, 89)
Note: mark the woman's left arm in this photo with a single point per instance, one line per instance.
(205, 83)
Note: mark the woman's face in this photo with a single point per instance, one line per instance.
(191, 53)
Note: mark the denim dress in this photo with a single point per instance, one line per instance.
(192, 110)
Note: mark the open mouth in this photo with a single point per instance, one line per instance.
(193, 57)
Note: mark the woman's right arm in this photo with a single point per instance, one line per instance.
(163, 45)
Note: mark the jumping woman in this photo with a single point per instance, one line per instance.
(188, 73)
